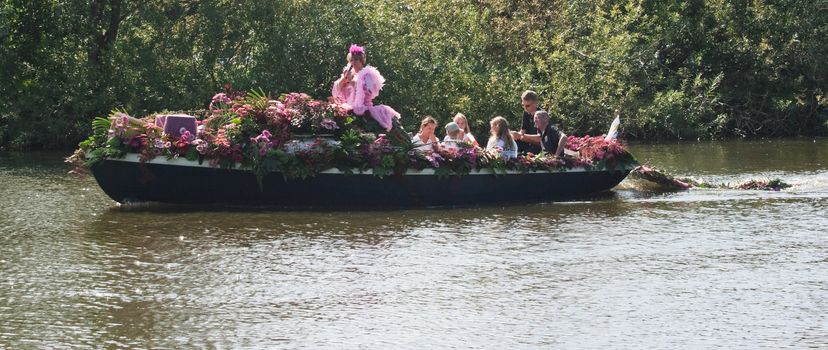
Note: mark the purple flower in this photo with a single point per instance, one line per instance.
(263, 137)
(329, 124)
(186, 134)
(201, 146)
(263, 142)
(434, 159)
(124, 119)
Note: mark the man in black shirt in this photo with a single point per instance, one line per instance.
(551, 140)
(529, 101)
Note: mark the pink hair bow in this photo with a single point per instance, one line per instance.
(356, 50)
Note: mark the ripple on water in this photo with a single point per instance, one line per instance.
(702, 268)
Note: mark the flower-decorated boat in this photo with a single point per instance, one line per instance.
(296, 152)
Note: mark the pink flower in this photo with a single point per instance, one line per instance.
(356, 50)
(263, 142)
(186, 134)
(219, 99)
(201, 146)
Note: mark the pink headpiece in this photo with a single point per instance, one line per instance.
(356, 50)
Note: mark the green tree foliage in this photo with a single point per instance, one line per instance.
(675, 69)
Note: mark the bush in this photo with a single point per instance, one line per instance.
(673, 69)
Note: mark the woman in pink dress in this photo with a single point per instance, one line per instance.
(357, 87)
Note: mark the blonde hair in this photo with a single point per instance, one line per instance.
(427, 120)
(356, 56)
(462, 116)
(502, 132)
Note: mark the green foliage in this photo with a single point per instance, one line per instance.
(674, 69)
(100, 127)
(98, 146)
(257, 98)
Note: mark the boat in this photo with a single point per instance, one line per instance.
(188, 182)
(296, 152)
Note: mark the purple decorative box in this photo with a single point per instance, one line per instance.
(175, 122)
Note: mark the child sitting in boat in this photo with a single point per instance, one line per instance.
(357, 87)
(454, 136)
(501, 139)
(463, 123)
(425, 139)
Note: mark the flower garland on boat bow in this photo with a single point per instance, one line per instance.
(298, 137)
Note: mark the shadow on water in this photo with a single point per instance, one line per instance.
(166, 216)
(163, 208)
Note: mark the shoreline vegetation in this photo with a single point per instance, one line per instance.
(675, 70)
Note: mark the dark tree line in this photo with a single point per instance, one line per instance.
(675, 69)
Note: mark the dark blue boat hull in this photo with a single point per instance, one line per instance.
(127, 181)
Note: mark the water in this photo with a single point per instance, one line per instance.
(634, 269)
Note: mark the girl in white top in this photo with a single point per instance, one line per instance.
(425, 139)
(501, 138)
(463, 123)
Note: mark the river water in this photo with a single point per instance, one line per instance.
(632, 269)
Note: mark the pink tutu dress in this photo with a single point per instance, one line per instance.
(359, 95)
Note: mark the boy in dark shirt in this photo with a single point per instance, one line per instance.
(529, 101)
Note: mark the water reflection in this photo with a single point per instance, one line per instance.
(737, 156)
(630, 268)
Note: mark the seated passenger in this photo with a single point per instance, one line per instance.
(454, 136)
(461, 121)
(425, 139)
(551, 140)
(501, 138)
